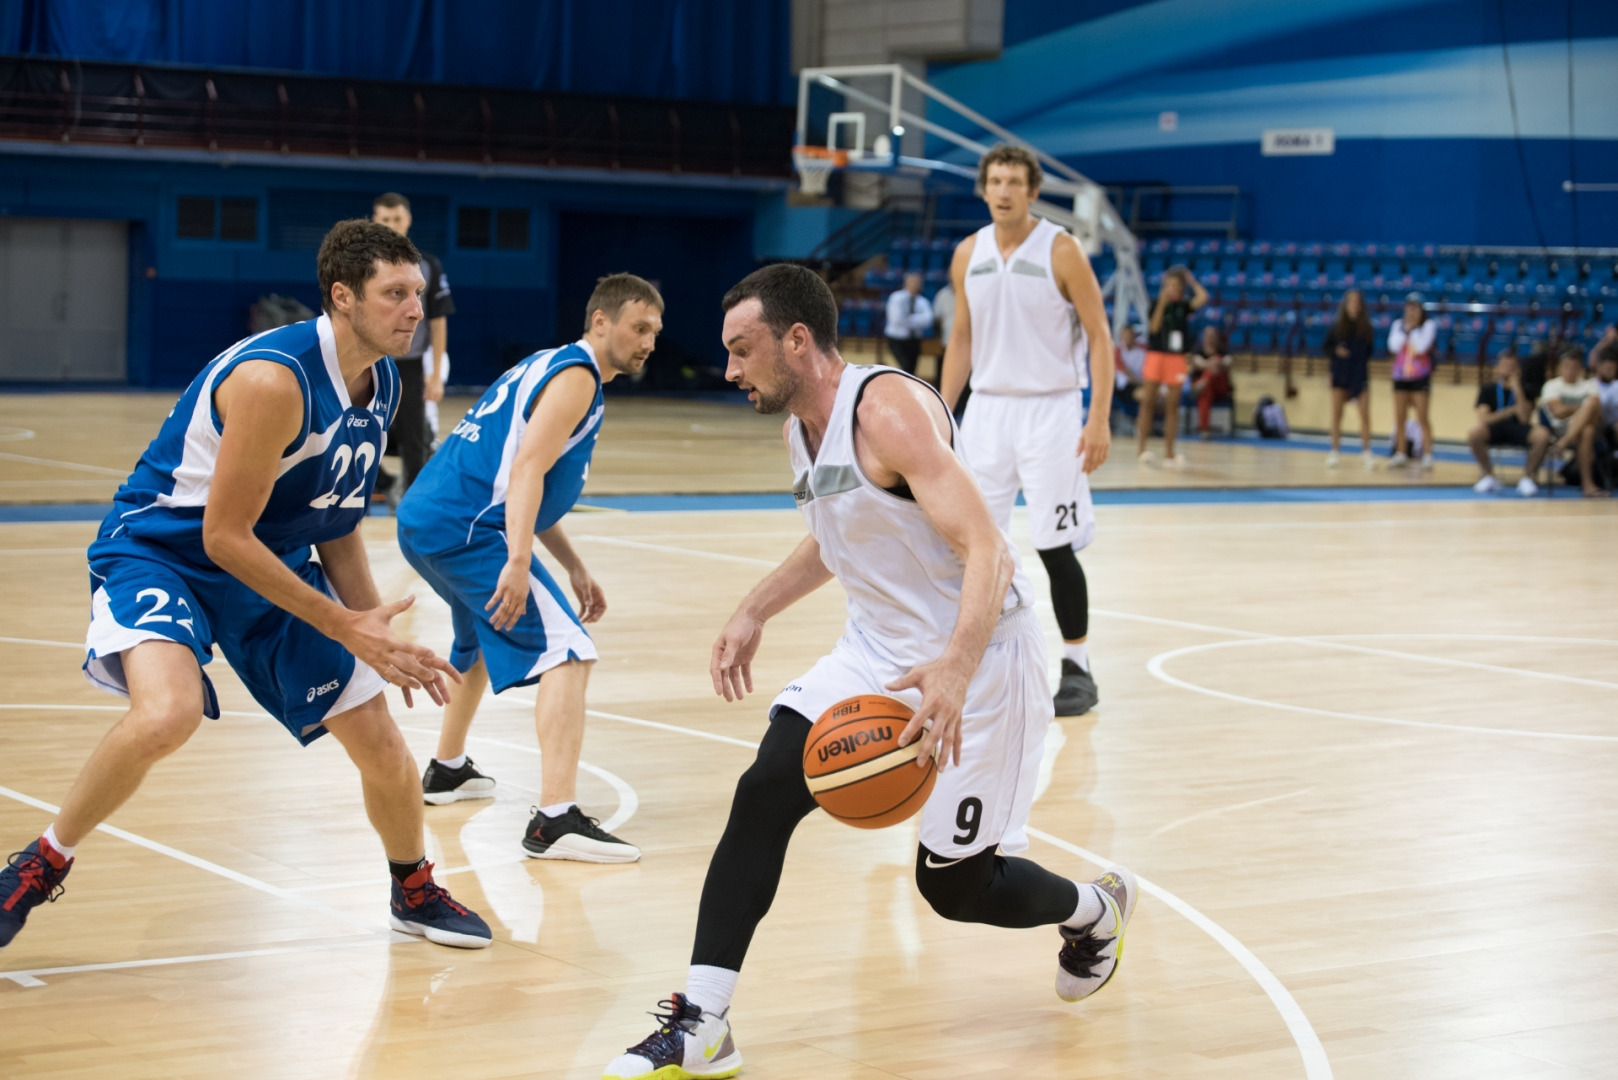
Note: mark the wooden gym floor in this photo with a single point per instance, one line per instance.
(1361, 751)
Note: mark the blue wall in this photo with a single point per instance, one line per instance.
(189, 299)
(1416, 94)
(717, 50)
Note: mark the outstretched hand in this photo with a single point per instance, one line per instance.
(732, 663)
(403, 663)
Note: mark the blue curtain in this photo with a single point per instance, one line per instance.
(714, 50)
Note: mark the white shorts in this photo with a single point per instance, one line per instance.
(983, 801)
(1031, 444)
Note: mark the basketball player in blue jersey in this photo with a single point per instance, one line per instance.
(508, 471)
(940, 616)
(273, 448)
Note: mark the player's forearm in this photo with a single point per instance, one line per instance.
(801, 574)
(560, 547)
(523, 497)
(957, 367)
(989, 569)
(348, 569)
(244, 557)
(1103, 367)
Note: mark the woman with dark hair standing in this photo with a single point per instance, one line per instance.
(1168, 340)
(1410, 340)
(1348, 346)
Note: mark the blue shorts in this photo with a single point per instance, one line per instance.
(547, 634)
(140, 591)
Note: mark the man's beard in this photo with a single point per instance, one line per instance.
(786, 386)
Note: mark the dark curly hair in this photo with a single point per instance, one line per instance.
(350, 252)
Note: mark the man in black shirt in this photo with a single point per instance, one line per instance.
(1504, 412)
(416, 387)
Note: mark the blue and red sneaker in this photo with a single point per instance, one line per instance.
(422, 907)
(30, 877)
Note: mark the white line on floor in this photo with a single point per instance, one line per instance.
(74, 465)
(34, 976)
(1189, 818)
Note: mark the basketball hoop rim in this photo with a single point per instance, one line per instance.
(837, 159)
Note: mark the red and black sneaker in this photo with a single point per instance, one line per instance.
(422, 907)
(31, 877)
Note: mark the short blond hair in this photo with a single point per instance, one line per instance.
(1006, 154)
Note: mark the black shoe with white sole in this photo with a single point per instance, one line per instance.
(571, 835)
(441, 785)
(1077, 694)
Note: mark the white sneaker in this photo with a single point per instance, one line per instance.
(1397, 460)
(689, 1044)
(1331, 460)
(1368, 459)
(1486, 485)
(1527, 488)
(1090, 954)
(1176, 462)
(1145, 457)
(1427, 461)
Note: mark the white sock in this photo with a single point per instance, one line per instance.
(50, 838)
(559, 809)
(1090, 906)
(453, 762)
(1079, 654)
(710, 988)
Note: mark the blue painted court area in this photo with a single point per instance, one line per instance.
(783, 501)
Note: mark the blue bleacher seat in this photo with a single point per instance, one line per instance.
(1161, 246)
(1211, 247)
(1230, 264)
(1312, 249)
(1183, 249)
(1235, 247)
(1308, 267)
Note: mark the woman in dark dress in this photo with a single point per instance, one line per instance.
(1348, 346)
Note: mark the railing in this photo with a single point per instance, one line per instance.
(145, 106)
(1151, 207)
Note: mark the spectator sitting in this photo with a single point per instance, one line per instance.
(1567, 419)
(1130, 373)
(1210, 379)
(1505, 416)
(1607, 391)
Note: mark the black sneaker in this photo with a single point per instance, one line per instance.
(441, 785)
(571, 835)
(1076, 695)
(31, 877)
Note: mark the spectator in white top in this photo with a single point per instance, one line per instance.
(1410, 340)
(910, 317)
(1568, 418)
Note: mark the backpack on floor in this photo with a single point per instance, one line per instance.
(1270, 418)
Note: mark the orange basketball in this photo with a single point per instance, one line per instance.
(856, 769)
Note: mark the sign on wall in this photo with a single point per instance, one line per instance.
(1282, 142)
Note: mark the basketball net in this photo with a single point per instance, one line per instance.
(815, 164)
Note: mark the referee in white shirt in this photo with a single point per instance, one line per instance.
(910, 317)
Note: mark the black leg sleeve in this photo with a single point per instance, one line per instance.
(408, 434)
(771, 798)
(990, 888)
(1070, 592)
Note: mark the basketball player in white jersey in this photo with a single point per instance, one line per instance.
(939, 615)
(1027, 303)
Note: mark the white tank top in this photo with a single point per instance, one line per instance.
(1026, 337)
(902, 579)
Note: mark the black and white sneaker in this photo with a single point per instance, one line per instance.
(1076, 694)
(571, 835)
(441, 785)
(1090, 955)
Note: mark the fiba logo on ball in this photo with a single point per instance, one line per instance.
(320, 691)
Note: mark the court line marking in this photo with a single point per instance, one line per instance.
(1189, 818)
(99, 470)
(1156, 664)
(620, 542)
(211, 867)
(32, 976)
(42, 551)
(1316, 1066)
(15, 434)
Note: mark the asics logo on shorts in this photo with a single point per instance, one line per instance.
(320, 691)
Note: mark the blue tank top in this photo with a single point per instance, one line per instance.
(323, 487)
(463, 485)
